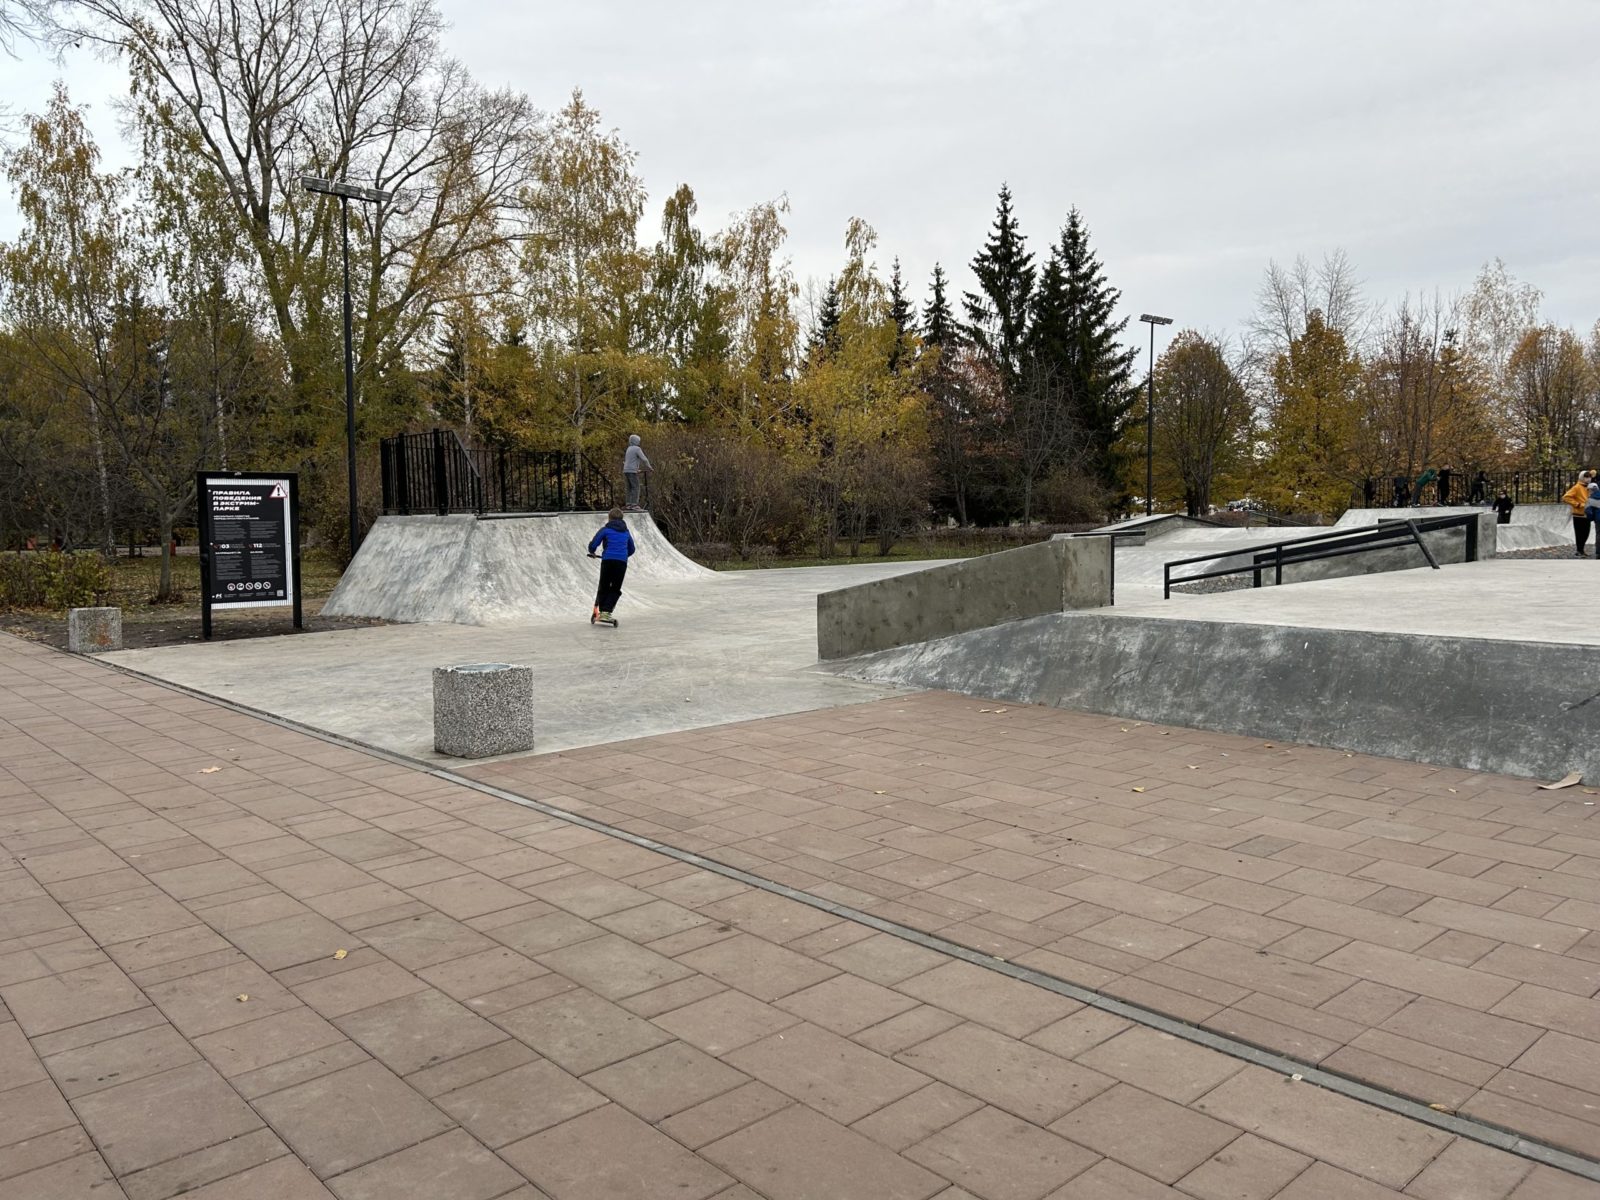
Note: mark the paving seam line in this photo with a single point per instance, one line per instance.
(1471, 1128)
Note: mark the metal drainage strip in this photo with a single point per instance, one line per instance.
(1470, 1128)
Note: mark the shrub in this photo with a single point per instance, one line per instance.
(50, 579)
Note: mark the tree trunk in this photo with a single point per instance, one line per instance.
(164, 590)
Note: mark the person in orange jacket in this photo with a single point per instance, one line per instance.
(1577, 499)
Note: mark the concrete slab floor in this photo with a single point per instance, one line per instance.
(735, 647)
(1520, 600)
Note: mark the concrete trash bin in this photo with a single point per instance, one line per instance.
(482, 709)
(94, 630)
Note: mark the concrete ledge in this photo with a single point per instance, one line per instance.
(975, 593)
(94, 630)
(482, 709)
(1516, 708)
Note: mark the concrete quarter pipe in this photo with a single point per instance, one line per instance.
(469, 570)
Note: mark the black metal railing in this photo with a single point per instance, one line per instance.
(1336, 543)
(1541, 485)
(436, 472)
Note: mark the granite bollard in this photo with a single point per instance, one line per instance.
(94, 630)
(482, 709)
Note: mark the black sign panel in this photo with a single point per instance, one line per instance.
(249, 542)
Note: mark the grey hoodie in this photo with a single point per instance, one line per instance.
(634, 460)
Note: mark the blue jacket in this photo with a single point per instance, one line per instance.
(617, 539)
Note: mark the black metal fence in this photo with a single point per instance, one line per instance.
(1542, 485)
(436, 472)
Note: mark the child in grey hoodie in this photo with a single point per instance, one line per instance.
(634, 464)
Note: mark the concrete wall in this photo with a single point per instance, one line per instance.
(1480, 704)
(1050, 577)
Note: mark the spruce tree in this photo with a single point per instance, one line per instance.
(1075, 332)
(903, 315)
(824, 338)
(938, 323)
(997, 314)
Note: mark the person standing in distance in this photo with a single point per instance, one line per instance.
(1577, 498)
(634, 464)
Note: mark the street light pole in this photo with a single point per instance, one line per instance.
(1150, 414)
(347, 192)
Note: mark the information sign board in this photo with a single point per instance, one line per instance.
(249, 542)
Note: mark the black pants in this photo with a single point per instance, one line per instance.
(611, 572)
(1580, 532)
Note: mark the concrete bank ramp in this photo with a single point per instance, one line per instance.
(1484, 666)
(469, 570)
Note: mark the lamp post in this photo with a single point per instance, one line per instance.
(346, 193)
(1150, 415)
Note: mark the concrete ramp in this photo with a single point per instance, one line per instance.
(1533, 526)
(1485, 666)
(468, 570)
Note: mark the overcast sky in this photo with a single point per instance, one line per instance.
(1199, 140)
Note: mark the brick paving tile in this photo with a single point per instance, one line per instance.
(1012, 1076)
(725, 1114)
(452, 1164)
(1377, 1145)
(198, 1109)
(1248, 1168)
(530, 1011)
(998, 1157)
(917, 1116)
(350, 1118)
(831, 1074)
(418, 1030)
(1110, 1180)
(1143, 1131)
(1467, 1171)
(77, 1178)
(798, 1154)
(1320, 1181)
(1160, 1063)
(609, 1154)
(519, 1102)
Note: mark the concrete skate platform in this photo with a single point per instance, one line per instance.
(1168, 537)
(1488, 666)
(706, 650)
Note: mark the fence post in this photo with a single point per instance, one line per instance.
(386, 473)
(1471, 528)
(500, 470)
(402, 472)
(441, 488)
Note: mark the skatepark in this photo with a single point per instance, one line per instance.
(1468, 665)
(1267, 866)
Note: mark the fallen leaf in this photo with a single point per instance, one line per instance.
(1452, 791)
(1297, 1078)
(1444, 1108)
(1268, 745)
(1138, 789)
(1192, 767)
(998, 711)
(242, 997)
(1566, 781)
(986, 710)
(209, 770)
(880, 793)
(341, 953)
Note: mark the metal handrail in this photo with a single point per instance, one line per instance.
(1334, 544)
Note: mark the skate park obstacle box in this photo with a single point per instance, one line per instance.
(1030, 581)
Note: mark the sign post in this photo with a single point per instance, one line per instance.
(249, 542)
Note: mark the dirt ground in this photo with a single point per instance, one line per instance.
(146, 623)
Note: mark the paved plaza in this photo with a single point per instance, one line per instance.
(240, 960)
